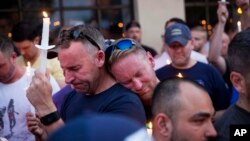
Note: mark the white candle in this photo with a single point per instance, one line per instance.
(149, 128)
(44, 44)
(45, 33)
(239, 26)
(28, 74)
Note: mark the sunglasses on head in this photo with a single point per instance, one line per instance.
(123, 44)
(78, 34)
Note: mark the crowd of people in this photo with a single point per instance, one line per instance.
(97, 89)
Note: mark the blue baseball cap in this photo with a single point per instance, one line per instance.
(177, 33)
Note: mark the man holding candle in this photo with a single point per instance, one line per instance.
(13, 101)
(93, 89)
(25, 36)
(179, 45)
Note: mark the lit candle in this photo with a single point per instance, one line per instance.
(28, 74)
(44, 43)
(149, 128)
(179, 75)
(168, 61)
(239, 26)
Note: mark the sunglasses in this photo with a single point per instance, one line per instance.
(78, 34)
(123, 45)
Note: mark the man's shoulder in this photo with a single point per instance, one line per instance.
(118, 88)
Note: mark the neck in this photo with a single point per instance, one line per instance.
(106, 81)
(244, 103)
(190, 64)
(17, 74)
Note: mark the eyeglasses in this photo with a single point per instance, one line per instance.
(78, 34)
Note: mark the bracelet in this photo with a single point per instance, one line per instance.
(50, 118)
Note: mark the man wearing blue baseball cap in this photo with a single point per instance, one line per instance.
(180, 44)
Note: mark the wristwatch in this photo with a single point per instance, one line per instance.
(50, 118)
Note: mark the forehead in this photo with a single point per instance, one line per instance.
(129, 64)
(23, 44)
(134, 28)
(75, 52)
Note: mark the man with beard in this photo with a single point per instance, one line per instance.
(182, 110)
(93, 90)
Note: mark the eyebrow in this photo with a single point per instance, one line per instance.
(203, 114)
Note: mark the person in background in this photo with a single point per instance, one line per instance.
(238, 113)
(219, 42)
(164, 58)
(93, 89)
(182, 110)
(199, 37)
(180, 45)
(25, 36)
(14, 80)
(133, 30)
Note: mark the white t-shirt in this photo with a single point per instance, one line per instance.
(13, 107)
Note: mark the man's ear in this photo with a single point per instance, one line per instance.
(162, 126)
(100, 58)
(37, 40)
(238, 82)
(151, 59)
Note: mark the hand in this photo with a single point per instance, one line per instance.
(222, 12)
(34, 125)
(39, 94)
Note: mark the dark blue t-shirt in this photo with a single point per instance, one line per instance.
(115, 100)
(207, 76)
(234, 115)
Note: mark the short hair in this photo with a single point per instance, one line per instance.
(6, 46)
(132, 24)
(64, 38)
(176, 20)
(25, 30)
(165, 97)
(199, 28)
(117, 54)
(239, 52)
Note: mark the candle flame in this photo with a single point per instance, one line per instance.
(28, 68)
(150, 126)
(45, 14)
(239, 11)
(28, 64)
(179, 75)
(168, 61)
